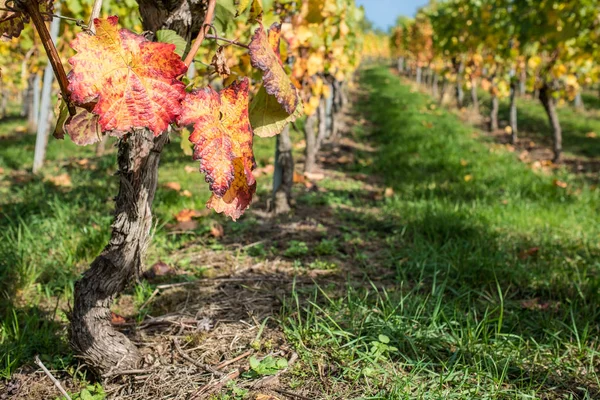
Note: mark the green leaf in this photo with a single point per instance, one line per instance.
(186, 145)
(254, 363)
(224, 14)
(85, 395)
(169, 36)
(384, 339)
(241, 6)
(267, 116)
(282, 363)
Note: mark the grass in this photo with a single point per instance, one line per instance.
(473, 276)
(532, 122)
(496, 269)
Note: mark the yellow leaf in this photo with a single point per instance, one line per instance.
(468, 178)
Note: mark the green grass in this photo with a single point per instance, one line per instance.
(469, 317)
(532, 123)
(49, 234)
(478, 278)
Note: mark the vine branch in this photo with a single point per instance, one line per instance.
(38, 21)
(198, 42)
(95, 14)
(234, 42)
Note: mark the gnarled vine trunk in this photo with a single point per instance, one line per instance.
(91, 334)
(494, 114)
(310, 136)
(474, 97)
(549, 103)
(513, 112)
(283, 176)
(460, 95)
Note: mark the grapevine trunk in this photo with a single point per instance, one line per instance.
(283, 176)
(91, 334)
(513, 112)
(494, 114)
(310, 136)
(549, 103)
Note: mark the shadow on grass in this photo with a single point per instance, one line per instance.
(446, 268)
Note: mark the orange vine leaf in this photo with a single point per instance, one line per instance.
(239, 195)
(222, 139)
(264, 55)
(132, 81)
(13, 22)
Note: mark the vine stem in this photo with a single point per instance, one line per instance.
(31, 7)
(198, 42)
(96, 9)
(234, 42)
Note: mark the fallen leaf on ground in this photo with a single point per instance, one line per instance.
(159, 268)
(187, 215)
(508, 130)
(389, 192)
(560, 184)
(186, 193)
(173, 186)
(299, 178)
(591, 135)
(344, 160)
(189, 169)
(314, 176)
(63, 180)
(536, 305)
(528, 253)
(190, 225)
(468, 178)
(116, 319)
(267, 169)
(1, 171)
(216, 230)
(83, 161)
(464, 163)
(261, 396)
(524, 156)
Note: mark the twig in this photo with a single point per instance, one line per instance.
(205, 367)
(198, 42)
(150, 298)
(52, 378)
(291, 394)
(229, 362)
(208, 388)
(53, 57)
(96, 9)
(234, 42)
(129, 372)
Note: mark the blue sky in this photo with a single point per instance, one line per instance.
(383, 13)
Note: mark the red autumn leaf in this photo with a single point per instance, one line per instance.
(222, 139)
(528, 253)
(13, 22)
(116, 319)
(216, 230)
(239, 195)
(176, 186)
(131, 80)
(264, 55)
(187, 215)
